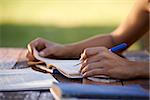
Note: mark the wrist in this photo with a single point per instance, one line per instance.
(71, 51)
(140, 69)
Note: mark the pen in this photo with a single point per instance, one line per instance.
(117, 48)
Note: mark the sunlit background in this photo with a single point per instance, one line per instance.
(62, 21)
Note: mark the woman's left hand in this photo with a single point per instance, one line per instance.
(101, 61)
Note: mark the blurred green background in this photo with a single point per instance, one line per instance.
(62, 21)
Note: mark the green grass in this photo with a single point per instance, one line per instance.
(20, 35)
(21, 21)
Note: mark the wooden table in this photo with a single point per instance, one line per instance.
(46, 95)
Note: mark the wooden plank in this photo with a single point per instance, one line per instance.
(22, 60)
(137, 56)
(30, 95)
(144, 41)
(45, 96)
(87, 81)
(8, 57)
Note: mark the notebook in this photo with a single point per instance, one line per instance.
(24, 79)
(85, 91)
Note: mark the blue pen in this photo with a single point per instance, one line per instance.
(117, 48)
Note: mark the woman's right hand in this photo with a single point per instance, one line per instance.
(46, 49)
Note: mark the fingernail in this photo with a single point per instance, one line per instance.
(81, 57)
(81, 74)
(41, 53)
(84, 75)
(29, 48)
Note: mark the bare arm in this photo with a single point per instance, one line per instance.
(129, 31)
(99, 60)
(136, 24)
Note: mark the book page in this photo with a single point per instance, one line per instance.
(24, 79)
(67, 67)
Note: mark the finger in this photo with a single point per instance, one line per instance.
(30, 57)
(96, 58)
(88, 52)
(30, 50)
(83, 56)
(46, 52)
(82, 66)
(38, 44)
(92, 66)
(95, 72)
(92, 51)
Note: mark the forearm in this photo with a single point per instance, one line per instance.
(135, 25)
(140, 69)
(76, 49)
(129, 31)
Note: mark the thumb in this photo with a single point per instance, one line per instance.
(45, 52)
(89, 52)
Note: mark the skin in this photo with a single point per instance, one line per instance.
(100, 61)
(96, 58)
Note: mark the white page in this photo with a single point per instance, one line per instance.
(67, 66)
(24, 79)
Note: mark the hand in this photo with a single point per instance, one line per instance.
(100, 61)
(45, 49)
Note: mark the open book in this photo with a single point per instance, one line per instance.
(70, 68)
(24, 79)
(66, 67)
